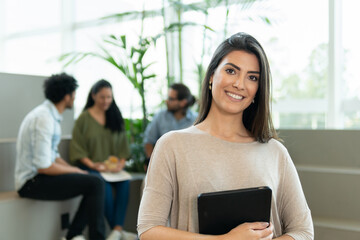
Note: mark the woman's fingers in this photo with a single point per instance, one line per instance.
(258, 225)
(267, 233)
(253, 231)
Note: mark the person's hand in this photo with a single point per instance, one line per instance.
(100, 167)
(119, 166)
(79, 170)
(251, 231)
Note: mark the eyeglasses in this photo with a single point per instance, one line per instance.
(172, 99)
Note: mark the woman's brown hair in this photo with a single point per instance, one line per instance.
(257, 117)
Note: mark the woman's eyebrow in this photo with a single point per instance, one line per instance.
(231, 64)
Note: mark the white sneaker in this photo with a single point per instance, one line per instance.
(114, 235)
(79, 237)
(128, 236)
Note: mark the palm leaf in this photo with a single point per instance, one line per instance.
(132, 15)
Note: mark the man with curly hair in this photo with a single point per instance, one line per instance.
(42, 174)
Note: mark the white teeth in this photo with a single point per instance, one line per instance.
(234, 96)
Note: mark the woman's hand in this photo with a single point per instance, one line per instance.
(246, 231)
(251, 231)
(119, 166)
(99, 166)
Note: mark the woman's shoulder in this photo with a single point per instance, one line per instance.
(277, 145)
(83, 115)
(185, 132)
(176, 135)
(83, 119)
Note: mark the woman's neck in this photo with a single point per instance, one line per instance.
(96, 110)
(228, 127)
(97, 114)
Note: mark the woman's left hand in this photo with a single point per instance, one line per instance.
(120, 166)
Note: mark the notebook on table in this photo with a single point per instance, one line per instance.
(220, 212)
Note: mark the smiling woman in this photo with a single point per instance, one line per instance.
(248, 72)
(233, 145)
(235, 83)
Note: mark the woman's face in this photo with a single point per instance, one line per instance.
(235, 82)
(103, 98)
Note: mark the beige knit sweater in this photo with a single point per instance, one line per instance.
(188, 162)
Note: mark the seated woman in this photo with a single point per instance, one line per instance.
(98, 135)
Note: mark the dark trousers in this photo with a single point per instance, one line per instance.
(115, 204)
(66, 186)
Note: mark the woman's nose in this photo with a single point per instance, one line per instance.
(239, 83)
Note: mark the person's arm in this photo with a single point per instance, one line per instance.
(246, 231)
(123, 149)
(78, 148)
(61, 161)
(149, 148)
(99, 166)
(42, 136)
(57, 168)
(284, 237)
(296, 215)
(151, 135)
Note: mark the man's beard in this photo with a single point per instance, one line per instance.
(173, 110)
(69, 106)
(176, 110)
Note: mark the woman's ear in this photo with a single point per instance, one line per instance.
(211, 79)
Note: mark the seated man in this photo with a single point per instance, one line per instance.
(42, 174)
(177, 116)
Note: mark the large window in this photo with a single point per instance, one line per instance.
(350, 83)
(296, 42)
(312, 47)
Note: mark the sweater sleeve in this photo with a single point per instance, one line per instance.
(122, 145)
(77, 148)
(159, 189)
(294, 211)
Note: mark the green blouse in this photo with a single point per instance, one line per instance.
(92, 140)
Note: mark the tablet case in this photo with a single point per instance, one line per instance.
(220, 212)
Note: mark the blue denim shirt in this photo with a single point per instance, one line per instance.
(37, 142)
(164, 122)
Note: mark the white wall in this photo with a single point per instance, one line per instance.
(19, 94)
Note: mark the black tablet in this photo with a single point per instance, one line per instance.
(220, 212)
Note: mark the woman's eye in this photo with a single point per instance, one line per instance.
(253, 78)
(230, 71)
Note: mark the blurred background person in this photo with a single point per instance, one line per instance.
(176, 116)
(99, 137)
(42, 174)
